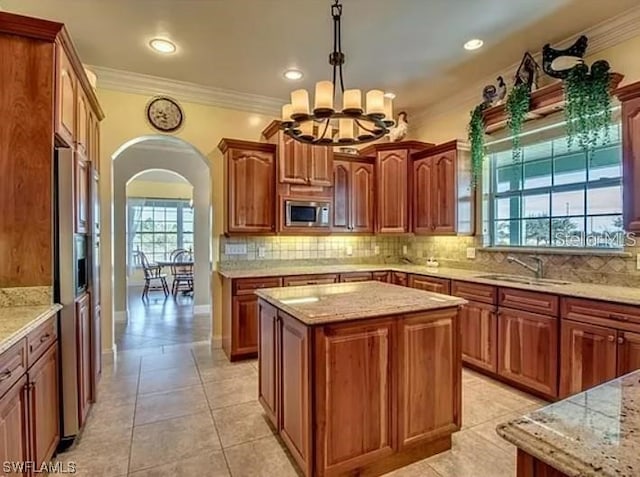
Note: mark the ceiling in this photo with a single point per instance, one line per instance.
(410, 47)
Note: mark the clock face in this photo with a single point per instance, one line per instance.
(164, 114)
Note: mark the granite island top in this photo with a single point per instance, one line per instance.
(594, 433)
(618, 294)
(17, 321)
(321, 304)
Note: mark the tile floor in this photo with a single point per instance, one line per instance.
(184, 410)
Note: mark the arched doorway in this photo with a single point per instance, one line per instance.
(157, 167)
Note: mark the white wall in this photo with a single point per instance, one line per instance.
(160, 153)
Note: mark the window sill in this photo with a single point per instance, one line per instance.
(560, 251)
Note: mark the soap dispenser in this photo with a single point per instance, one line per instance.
(432, 263)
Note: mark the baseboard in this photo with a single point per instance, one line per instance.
(120, 316)
(216, 341)
(201, 309)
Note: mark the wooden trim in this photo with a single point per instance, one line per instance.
(341, 156)
(454, 145)
(226, 144)
(35, 28)
(373, 149)
(272, 129)
(65, 41)
(627, 92)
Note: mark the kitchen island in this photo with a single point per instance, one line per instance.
(360, 378)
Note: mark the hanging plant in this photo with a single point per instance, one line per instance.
(476, 139)
(588, 105)
(517, 107)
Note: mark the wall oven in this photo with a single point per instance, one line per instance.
(312, 214)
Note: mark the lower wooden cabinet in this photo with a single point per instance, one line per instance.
(399, 278)
(528, 350)
(479, 331)
(628, 352)
(310, 280)
(268, 361)
(245, 331)
(384, 277)
(432, 284)
(356, 277)
(84, 352)
(14, 427)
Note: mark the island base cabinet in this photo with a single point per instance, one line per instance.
(268, 361)
(529, 466)
(14, 426)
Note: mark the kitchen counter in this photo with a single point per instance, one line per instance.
(596, 432)
(618, 294)
(17, 321)
(320, 304)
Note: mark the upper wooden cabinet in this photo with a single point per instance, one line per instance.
(250, 183)
(66, 88)
(629, 96)
(393, 187)
(353, 195)
(443, 200)
(81, 181)
(82, 123)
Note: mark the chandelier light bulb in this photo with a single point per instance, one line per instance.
(324, 99)
(375, 103)
(306, 130)
(299, 104)
(345, 131)
(388, 109)
(352, 101)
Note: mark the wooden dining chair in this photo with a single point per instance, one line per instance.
(153, 278)
(182, 272)
(173, 254)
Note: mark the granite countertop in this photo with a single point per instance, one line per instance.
(618, 294)
(596, 432)
(17, 321)
(321, 304)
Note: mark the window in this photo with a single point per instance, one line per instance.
(557, 197)
(158, 226)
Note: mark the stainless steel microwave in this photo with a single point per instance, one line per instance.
(307, 214)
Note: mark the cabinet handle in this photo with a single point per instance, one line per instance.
(45, 338)
(611, 338)
(620, 340)
(5, 375)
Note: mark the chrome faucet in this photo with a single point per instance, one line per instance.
(538, 269)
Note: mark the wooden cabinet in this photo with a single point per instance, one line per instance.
(629, 96)
(384, 277)
(429, 370)
(528, 350)
(82, 123)
(268, 361)
(14, 429)
(443, 200)
(628, 352)
(96, 340)
(320, 166)
(399, 278)
(588, 356)
(353, 196)
(479, 332)
(65, 107)
(432, 284)
(300, 163)
(250, 186)
(309, 280)
(44, 421)
(83, 334)
(81, 194)
(356, 277)
(392, 197)
(245, 317)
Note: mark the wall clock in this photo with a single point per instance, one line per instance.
(165, 114)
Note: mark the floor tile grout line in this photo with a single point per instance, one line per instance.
(133, 424)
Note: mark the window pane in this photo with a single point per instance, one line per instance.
(508, 208)
(537, 174)
(536, 205)
(568, 203)
(158, 214)
(536, 232)
(606, 163)
(604, 200)
(570, 169)
(508, 178)
(567, 232)
(505, 231)
(541, 150)
(171, 214)
(605, 231)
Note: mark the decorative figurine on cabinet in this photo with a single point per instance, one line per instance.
(558, 63)
(527, 73)
(492, 94)
(399, 132)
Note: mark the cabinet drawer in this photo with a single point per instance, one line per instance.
(432, 284)
(246, 286)
(529, 301)
(13, 364)
(39, 340)
(310, 280)
(382, 276)
(399, 278)
(598, 312)
(355, 277)
(475, 292)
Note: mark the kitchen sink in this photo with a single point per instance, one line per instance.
(524, 280)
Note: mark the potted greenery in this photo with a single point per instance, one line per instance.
(517, 107)
(476, 140)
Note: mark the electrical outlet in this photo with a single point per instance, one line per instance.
(471, 252)
(349, 250)
(235, 249)
(638, 261)
(262, 251)
(405, 250)
(376, 250)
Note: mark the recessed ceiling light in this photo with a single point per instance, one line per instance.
(473, 44)
(162, 46)
(390, 95)
(293, 74)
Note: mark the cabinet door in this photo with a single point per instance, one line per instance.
(95, 141)
(392, 197)
(479, 331)
(384, 277)
(251, 191)
(423, 196)
(429, 370)
(362, 201)
(82, 123)
(320, 165)
(268, 342)
(588, 356)
(399, 278)
(354, 388)
(309, 280)
(245, 325)
(436, 285)
(631, 164)
(14, 428)
(43, 406)
(355, 277)
(295, 386)
(66, 85)
(293, 161)
(83, 335)
(444, 202)
(628, 352)
(81, 194)
(96, 338)
(528, 349)
(341, 196)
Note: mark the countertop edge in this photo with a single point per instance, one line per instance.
(26, 329)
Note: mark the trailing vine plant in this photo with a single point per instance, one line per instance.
(588, 105)
(517, 107)
(476, 139)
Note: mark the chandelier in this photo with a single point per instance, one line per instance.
(355, 124)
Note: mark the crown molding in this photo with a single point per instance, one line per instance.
(137, 83)
(601, 36)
